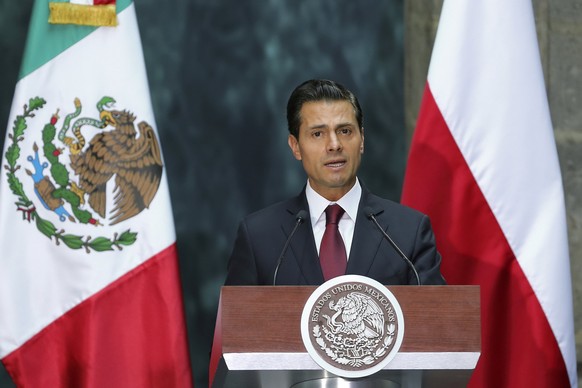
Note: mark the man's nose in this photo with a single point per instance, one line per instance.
(334, 142)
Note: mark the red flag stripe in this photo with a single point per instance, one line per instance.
(439, 183)
(113, 339)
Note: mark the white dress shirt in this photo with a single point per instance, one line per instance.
(349, 202)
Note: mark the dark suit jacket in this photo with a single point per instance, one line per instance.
(262, 235)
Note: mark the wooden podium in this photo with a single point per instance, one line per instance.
(258, 341)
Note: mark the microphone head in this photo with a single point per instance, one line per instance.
(302, 215)
(368, 212)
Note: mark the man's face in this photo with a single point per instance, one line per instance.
(330, 146)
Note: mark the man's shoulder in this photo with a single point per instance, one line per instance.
(275, 212)
(387, 206)
(276, 207)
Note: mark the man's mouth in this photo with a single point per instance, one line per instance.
(335, 163)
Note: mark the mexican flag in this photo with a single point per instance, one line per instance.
(483, 165)
(90, 293)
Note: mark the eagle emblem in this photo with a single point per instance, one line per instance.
(352, 326)
(73, 178)
(134, 161)
(358, 337)
(359, 316)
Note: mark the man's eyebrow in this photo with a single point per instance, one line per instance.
(340, 125)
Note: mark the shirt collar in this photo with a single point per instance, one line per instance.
(349, 202)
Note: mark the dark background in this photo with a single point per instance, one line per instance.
(220, 73)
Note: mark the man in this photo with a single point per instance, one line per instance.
(289, 243)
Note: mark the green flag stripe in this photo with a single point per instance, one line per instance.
(45, 41)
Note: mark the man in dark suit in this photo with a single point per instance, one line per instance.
(327, 136)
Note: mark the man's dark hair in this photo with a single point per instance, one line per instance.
(318, 90)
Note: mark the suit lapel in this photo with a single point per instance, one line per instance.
(302, 246)
(366, 240)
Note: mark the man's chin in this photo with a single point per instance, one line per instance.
(340, 184)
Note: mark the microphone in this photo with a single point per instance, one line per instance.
(299, 219)
(370, 214)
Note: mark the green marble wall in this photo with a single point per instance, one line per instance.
(220, 74)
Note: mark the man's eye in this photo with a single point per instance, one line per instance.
(345, 131)
(316, 134)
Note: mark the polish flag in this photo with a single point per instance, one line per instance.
(90, 292)
(483, 165)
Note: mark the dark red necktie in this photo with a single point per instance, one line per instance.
(332, 253)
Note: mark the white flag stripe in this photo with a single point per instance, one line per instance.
(481, 77)
(40, 280)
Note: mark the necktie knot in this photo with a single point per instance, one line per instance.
(333, 213)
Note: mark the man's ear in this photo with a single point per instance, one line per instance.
(362, 145)
(294, 145)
